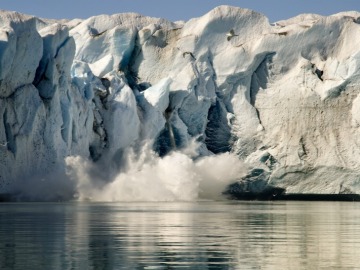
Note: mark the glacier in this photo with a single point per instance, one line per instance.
(273, 105)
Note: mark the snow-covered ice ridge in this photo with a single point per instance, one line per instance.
(284, 97)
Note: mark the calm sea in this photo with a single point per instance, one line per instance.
(173, 235)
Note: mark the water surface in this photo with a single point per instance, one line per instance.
(199, 235)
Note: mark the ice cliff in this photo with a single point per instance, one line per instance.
(283, 97)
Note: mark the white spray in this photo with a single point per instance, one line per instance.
(175, 177)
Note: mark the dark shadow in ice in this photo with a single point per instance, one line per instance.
(218, 133)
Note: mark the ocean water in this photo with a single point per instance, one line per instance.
(180, 235)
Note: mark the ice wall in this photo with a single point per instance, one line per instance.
(283, 97)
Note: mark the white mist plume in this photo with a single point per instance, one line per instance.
(175, 177)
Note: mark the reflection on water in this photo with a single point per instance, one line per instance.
(203, 235)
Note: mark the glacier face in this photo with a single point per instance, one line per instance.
(283, 97)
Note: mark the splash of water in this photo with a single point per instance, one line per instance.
(175, 177)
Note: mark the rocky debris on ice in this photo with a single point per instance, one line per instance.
(284, 97)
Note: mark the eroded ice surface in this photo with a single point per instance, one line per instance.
(282, 97)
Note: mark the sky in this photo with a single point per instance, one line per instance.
(174, 9)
